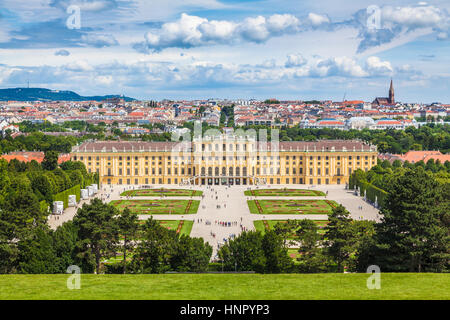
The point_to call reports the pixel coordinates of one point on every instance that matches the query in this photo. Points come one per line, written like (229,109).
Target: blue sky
(155,49)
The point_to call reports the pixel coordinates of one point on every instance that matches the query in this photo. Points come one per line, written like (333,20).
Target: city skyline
(323,50)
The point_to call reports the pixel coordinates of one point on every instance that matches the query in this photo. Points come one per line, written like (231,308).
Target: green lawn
(291,206)
(162,191)
(169,224)
(158,206)
(187,227)
(284,193)
(227,286)
(259,226)
(263,225)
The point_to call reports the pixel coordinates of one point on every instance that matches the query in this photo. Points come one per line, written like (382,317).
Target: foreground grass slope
(227,286)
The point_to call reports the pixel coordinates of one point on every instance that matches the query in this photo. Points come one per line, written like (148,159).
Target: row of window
(271,181)
(231,171)
(168,158)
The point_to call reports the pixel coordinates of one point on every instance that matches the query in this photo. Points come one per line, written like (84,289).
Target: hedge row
(64,196)
(372,191)
(43,205)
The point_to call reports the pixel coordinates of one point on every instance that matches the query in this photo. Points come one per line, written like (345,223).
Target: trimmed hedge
(43,205)
(371,190)
(64,196)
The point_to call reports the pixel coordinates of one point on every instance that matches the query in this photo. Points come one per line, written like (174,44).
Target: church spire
(391,93)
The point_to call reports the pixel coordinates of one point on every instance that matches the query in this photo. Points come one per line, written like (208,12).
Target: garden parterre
(162,192)
(291,206)
(285,192)
(142,207)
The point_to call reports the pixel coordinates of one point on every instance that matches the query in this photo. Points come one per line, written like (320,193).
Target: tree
(128,225)
(20,211)
(340,237)
(65,239)
(312,259)
(431,165)
(285,230)
(244,253)
(191,255)
(413,235)
(155,250)
(50,161)
(397,163)
(36,252)
(277,259)
(98,232)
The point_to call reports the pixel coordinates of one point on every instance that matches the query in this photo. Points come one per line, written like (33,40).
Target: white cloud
(295,60)
(78,66)
(99,40)
(340,66)
(414,17)
(317,19)
(104,80)
(374,65)
(193,31)
(402,24)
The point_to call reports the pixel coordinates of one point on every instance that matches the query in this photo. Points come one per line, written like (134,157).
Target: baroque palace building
(236,161)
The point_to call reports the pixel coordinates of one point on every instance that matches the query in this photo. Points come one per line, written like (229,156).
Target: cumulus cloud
(104,80)
(193,31)
(78,66)
(414,17)
(99,40)
(339,66)
(396,22)
(317,20)
(62,52)
(204,74)
(295,60)
(376,66)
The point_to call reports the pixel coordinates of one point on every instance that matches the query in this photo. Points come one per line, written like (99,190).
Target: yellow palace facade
(225,162)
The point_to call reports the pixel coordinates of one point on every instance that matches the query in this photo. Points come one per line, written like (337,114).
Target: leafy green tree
(4,179)
(397,163)
(277,259)
(155,249)
(340,237)
(36,252)
(244,253)
(386,164)
(50,161)
(413,235)
(285,230)
(20,211)
(65,239)
(128,225)
(312,258)
(98,232)
(42,186)
(191,255)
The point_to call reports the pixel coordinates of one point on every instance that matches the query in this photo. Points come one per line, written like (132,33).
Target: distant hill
(42,94)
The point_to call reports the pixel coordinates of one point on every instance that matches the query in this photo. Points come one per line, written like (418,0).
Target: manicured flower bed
(158,206)
(284,193)
(162,191)
(291,206)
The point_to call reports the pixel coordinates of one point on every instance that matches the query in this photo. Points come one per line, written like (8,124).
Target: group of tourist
(226,223)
